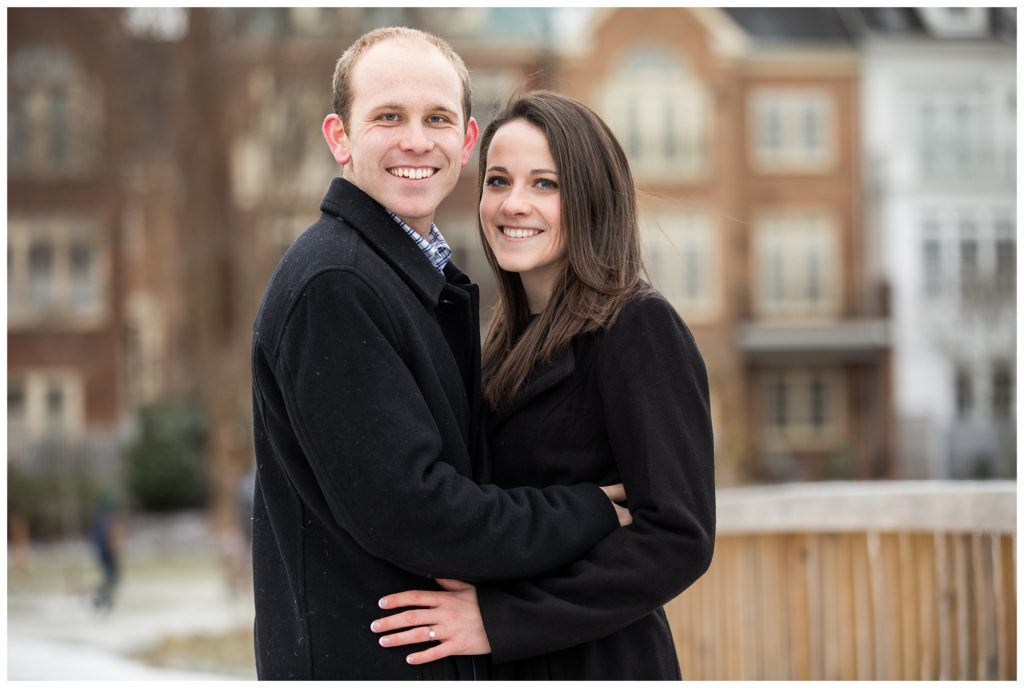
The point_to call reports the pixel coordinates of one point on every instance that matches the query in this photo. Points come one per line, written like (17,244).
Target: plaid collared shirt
(434,247)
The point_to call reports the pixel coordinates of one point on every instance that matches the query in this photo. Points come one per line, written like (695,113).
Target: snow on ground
(31,658)
(172,585)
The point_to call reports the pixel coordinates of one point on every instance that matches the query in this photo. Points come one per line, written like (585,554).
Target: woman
(590,375)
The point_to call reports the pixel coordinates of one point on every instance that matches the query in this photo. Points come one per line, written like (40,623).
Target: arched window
(55,114)
(661,113)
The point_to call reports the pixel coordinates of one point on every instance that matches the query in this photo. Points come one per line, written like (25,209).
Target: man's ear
(472,134)
(337,139)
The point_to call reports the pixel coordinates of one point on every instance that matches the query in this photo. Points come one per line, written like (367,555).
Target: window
(681,256)
(803,406)
(58,127)
(1006,256)
(40,275)
(16,406)
(1006,266)
(55,114)
(796,264)
(661,112)
(1002,390)
(792,130)
(932,267)
(963,392)
(56,267)
(18,131)
(968,268)
(951,134)
(44,404)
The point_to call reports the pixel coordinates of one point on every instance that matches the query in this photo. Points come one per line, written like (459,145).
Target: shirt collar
(434,247)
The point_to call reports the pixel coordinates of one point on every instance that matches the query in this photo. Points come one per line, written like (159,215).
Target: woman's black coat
(627,404)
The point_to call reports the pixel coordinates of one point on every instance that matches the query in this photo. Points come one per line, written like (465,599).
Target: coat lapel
(347,201)
(545,376)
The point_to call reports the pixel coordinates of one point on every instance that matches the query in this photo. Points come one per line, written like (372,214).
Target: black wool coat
(626,404)
(365,379)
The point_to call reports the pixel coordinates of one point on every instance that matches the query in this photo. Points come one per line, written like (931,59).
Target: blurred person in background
(105,538)
(589,375)
(365,374)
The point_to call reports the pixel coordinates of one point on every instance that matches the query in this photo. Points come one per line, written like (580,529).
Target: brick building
(746,151)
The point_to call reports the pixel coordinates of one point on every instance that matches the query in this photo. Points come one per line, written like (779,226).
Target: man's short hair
(341,83)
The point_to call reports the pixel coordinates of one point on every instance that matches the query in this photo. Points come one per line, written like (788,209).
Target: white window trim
(792,158)
(35,426)
(668,232)
(647,91)
(798,433)
(61,232)
(830,304)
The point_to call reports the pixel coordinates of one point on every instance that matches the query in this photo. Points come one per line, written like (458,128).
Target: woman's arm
(662,439)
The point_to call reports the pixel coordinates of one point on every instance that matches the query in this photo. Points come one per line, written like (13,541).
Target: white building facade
(939,132)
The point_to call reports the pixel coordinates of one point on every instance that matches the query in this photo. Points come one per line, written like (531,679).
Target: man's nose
(416,139)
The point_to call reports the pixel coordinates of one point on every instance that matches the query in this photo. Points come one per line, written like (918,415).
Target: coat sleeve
(654,397)
(362,421)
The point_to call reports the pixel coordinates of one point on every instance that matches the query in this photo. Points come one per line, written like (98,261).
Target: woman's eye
(547,184)
(496,181)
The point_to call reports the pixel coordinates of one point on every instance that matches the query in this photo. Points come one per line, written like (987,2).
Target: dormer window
(955,22)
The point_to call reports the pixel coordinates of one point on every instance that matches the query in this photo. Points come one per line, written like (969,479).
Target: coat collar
(368,217)
(544,377)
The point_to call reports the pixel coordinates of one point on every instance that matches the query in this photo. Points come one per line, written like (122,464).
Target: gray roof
(786,25)
(847,26)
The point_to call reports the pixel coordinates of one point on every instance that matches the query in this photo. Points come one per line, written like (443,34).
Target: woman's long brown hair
(603,266)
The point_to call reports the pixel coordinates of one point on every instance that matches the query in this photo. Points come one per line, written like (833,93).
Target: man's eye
(389,117)
(438,119)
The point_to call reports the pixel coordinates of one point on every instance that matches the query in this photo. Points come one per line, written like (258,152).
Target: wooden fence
(851,581)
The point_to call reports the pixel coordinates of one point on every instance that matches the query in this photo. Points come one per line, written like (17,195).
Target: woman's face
(520,207)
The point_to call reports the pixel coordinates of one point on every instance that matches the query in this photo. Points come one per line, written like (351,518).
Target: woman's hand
(617,493)
(452,619)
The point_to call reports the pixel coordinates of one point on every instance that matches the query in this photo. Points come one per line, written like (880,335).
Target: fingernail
(383,603)
(385,641)
(374,626)
(410,660)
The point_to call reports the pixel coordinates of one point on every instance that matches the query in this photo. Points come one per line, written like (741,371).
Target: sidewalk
(172,585)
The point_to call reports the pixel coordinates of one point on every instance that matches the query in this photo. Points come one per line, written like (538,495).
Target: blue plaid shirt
(434,247)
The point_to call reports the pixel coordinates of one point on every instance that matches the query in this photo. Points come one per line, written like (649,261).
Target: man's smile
(412,172)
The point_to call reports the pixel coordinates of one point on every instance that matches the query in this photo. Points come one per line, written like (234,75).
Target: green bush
(165,467)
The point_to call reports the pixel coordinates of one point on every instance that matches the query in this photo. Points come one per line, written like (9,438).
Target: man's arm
(363,424)
(654,394)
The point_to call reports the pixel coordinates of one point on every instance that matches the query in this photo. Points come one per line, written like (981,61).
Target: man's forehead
(400,49)
(399,72)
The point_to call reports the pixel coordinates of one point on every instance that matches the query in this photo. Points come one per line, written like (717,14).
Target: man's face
(405,142)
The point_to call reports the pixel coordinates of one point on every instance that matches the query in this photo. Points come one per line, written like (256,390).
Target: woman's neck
(538,286)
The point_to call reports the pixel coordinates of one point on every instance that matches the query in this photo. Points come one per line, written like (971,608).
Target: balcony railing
(854,581)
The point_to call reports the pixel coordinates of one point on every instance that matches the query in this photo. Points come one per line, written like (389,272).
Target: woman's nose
(515,204)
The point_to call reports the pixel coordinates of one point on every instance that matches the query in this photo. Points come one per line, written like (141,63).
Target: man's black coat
(365,383)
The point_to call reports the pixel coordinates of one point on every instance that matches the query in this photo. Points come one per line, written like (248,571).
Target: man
(365,366)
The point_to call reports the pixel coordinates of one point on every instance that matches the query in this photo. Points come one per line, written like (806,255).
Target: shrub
(164,466)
